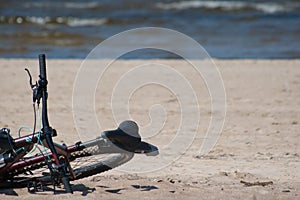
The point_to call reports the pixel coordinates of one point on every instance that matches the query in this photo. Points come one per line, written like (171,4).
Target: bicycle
(58,164)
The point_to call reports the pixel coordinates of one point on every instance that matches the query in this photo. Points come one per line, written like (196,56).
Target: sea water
(226,29)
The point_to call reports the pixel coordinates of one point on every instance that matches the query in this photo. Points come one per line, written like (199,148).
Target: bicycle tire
(105,165)
(116,157)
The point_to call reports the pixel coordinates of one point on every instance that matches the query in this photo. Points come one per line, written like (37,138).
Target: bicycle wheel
(85,167)
(98,156)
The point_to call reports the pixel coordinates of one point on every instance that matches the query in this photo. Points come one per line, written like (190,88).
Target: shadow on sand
(50,190)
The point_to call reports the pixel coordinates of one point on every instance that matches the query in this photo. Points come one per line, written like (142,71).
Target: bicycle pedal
(34,187)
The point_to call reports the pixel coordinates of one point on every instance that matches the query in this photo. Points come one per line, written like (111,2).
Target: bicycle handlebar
(42,62)
(43,89)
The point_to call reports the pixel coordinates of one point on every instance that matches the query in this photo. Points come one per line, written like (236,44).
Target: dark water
(226,29)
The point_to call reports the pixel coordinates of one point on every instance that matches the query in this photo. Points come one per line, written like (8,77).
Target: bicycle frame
(62,150)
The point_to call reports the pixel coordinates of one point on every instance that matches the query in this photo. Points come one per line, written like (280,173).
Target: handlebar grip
(42,62)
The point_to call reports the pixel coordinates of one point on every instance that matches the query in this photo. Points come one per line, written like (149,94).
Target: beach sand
(260,141)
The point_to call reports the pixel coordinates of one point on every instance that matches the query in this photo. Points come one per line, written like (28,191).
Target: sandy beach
(256,157)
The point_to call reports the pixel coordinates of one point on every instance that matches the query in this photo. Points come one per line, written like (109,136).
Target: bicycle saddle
(126,136)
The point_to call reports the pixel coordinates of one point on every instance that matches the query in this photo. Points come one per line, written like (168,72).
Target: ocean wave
(86,22)
(266,7)
(69,21)
(71,5)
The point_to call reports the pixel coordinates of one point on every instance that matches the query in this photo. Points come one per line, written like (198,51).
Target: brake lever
(30,78)
(36,92)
